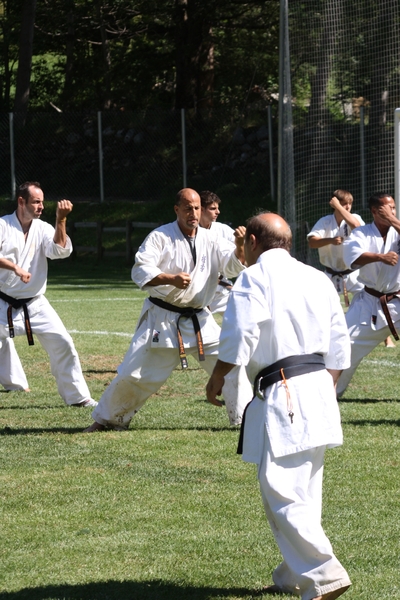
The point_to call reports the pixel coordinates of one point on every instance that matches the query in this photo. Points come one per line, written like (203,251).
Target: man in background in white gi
(375,311)
(210,211)
(328,235)
(26,243)
(285,322)
(178,265)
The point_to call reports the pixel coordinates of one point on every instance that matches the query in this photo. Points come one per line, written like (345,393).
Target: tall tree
(25,56)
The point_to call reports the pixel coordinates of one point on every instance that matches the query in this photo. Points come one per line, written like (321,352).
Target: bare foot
(95,427)
(389,343)
(333,595)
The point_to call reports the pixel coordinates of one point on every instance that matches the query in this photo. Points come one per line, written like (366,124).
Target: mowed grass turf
(168,510)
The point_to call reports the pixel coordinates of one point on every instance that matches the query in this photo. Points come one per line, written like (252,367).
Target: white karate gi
(332,256)
(280,307)
(153,352)
(365,318)
(31,255)
(220,300)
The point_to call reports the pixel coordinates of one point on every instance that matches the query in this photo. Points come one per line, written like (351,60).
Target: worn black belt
(384,299)
(341,274)
(188,313)
(283,369)
(18,303)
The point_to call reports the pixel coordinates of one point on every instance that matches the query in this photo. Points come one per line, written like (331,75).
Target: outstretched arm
(390,258)
(318,242)
(179,280)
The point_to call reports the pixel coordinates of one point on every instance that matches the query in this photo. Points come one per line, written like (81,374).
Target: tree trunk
(25,57)
(194,55)
(105,47)
(69,53)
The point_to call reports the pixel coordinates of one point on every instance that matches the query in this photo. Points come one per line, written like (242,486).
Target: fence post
(271,154)
(397,160)
(99,231)
(362,156)
(100,136)
(128,241)
(183,132)
(12,156)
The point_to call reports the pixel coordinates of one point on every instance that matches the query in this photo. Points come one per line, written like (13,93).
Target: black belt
(18,303)
(288,367)
(384,299)
(188,313)
(341,274)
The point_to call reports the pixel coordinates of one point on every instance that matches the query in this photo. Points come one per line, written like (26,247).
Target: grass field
(168,510)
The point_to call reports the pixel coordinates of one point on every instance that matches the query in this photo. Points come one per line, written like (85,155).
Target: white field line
(381,363)
(118,333)
(97,300)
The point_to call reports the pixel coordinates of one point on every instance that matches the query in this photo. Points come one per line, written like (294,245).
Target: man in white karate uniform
(374,312)
(328,235)
(178,265)
(210,204)
(26,243)
(285,322)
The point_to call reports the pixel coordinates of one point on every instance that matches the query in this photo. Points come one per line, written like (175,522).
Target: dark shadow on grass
(366,400)
(378,422)
(113,371)
(32,406)
(9,431)
(126,590)
(72,430)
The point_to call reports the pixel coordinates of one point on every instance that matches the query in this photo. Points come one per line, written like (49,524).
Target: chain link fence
(146,155)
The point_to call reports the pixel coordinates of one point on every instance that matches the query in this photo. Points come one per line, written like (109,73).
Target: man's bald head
(269,231)
(187,194)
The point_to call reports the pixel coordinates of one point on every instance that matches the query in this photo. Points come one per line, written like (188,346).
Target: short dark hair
(266,235)
(343,195)
(23,189)
(208,198)
(375,199)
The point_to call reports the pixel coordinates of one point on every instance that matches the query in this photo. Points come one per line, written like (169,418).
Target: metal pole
(397,160)
(183,131)
(271,154)
(362,156)
(12,157)
(100,136)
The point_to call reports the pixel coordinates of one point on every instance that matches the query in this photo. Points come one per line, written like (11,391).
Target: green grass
(168,510)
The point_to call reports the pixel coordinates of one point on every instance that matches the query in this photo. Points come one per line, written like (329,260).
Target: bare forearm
(60,235)
(316,242)
(390,258)
(25,276)
(335,375)
(179,280)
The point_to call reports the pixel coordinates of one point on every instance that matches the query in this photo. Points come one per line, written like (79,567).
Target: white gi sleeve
(354,246)
(338,356)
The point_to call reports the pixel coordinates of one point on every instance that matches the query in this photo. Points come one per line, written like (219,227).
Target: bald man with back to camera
(285,322)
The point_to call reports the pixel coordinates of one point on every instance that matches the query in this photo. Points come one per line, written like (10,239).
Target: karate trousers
(291,489)
(145,369)
(363,340)
(48,328)
(12,374)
